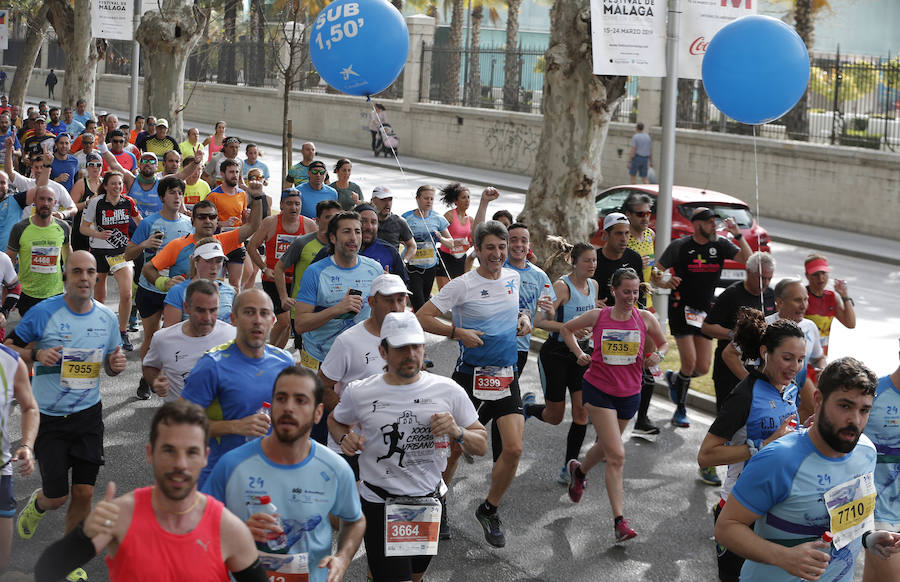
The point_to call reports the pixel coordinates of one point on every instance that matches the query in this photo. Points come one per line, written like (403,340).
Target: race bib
(282,243)
(620,347)
(45,259)
(308,361)
(411,526)
(285,567)
(694,317)
(492,382)
(459,248)
(424,256)
(80,368)
(117,239)
(112,261)
(851,509)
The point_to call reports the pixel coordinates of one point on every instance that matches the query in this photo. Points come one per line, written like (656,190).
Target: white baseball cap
(382,192)
(613,219)
(388,284)
(402,329)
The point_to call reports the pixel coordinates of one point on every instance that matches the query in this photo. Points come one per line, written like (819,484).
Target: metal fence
(487,66)
(851,101)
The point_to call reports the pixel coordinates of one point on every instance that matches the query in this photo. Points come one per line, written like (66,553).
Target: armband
(65,555)
(849,300)
(255,572)
(753,448)
(161,283)
(341,441)
(257,197)
(34,352)
(864,536)
(452,330)
(459,440)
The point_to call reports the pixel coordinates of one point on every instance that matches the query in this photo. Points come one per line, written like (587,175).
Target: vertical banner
(4,30)
(700,21)
(629,37)
(112,19)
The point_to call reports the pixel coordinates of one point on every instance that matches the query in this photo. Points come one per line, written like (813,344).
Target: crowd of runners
(298,419)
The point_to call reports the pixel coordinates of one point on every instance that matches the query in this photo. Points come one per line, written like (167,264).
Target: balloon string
(384,138)
(762,294)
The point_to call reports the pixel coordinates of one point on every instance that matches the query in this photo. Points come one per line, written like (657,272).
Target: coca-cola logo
(698,47)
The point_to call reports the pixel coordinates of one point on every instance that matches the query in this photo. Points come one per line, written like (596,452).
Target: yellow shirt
(646,248)
(194,193)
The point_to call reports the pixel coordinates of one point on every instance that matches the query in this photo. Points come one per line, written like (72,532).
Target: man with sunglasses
(126,161)
(315,190)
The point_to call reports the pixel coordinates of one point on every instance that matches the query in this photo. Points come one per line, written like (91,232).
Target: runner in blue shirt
(69,339)
(486,322)
(298,541)
(884,431)
(315,190)
(809,482)
(428,228)
(334,291)
(232,381)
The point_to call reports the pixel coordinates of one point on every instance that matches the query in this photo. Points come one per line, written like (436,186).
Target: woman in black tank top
(82,192)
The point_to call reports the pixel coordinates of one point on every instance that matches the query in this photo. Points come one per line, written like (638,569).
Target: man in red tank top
(277,232)
(168,531)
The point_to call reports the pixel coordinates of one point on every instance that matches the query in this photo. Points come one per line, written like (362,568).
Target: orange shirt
(229,206)
(176,255)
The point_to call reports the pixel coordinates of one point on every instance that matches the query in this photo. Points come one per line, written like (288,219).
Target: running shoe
(29,518)
(709,476)
(528,400)
(644,428)
(126,343)
(673,393)
(563,477)
(493,529)
(680,418)
(444,533)
(576,484)
(143,390)
(623,531)
(76,575)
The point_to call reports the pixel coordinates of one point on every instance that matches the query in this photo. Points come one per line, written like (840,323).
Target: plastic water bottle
(793,424)
(827,537)
(274,541)
(441,448)
(546,292)
(266,409)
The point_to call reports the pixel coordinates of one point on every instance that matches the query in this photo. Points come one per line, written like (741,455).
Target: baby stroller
(386,140)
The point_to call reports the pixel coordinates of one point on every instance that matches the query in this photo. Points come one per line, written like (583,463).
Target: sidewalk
(824,239)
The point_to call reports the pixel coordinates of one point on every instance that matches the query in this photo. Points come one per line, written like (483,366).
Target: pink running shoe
(576,483)
(624,531)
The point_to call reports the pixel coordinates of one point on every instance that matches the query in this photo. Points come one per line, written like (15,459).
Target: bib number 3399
(492,382)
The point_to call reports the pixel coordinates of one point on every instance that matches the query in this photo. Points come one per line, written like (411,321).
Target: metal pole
(667,159)
(467,52)
(838,75)
(135,63)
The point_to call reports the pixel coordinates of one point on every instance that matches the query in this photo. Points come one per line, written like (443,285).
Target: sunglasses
(206,216)
(317,172)
(148,162)
(643,214)
(94,165)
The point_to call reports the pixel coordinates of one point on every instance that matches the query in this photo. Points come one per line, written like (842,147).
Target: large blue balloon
(359,46)
(755,69)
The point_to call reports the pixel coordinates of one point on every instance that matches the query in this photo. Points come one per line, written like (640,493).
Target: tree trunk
(227,69)
(167,38)
(796,121)
(684,113)
(37,29)
(450,94)
(256,76)
(474,84)
(73,30)
(511,62)
(578,106)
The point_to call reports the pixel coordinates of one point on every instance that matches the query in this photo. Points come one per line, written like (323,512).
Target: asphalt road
(549,538)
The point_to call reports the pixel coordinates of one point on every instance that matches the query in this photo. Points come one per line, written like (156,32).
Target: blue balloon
(755,69)
(359,46)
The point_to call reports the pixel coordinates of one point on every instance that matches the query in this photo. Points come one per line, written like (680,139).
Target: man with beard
(160,143)
(69,339)
(277,233)
(391,227)
(176,349)
(233,380)
(315,190)
(232,205)
(808,482)
(298,540)
(213,173)
(697,262)
(168,531)
(40,245)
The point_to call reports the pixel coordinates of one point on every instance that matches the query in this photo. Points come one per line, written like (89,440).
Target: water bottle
(266,409)
(793,424)
(274,541)
(546,293)
(441,448)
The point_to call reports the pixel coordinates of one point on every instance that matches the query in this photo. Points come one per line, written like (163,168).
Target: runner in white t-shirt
(177,348)
(401,413)
(354,354)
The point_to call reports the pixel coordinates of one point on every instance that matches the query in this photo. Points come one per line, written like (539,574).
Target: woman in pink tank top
(454,259)
(215,140)
(611,389)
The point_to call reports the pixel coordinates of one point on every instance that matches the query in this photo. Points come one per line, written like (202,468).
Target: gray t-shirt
(394,230)
(641,144)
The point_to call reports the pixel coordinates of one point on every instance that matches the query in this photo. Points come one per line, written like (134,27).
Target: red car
(684,200)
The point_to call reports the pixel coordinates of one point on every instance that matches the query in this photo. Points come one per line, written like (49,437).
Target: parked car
(684,200)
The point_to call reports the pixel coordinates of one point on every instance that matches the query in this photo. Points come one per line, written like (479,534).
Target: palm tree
(511,62)
(474,82)
(450,92)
